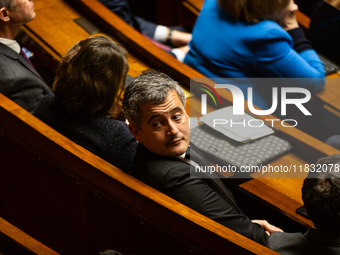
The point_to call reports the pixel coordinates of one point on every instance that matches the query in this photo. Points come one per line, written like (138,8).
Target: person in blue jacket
(253,39)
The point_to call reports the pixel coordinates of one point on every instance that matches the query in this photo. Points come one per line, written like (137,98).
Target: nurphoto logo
(277,97)
(208,89)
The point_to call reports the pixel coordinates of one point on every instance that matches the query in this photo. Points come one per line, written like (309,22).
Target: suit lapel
(196,159)
(15,56)
(27,65)
(211,179)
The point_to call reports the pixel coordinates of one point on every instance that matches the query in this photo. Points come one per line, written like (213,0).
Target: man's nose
(172,128)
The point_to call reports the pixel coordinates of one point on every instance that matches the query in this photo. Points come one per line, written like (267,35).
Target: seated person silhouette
(154,105)
(19,81)
(85,106)
(176,37)
(321,198)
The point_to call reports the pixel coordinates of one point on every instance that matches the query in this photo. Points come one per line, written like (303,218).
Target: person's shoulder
(8,56)
(151,161)
(44,109)
(117,131)
(121,125)
(152,169)
(45,102)
(6,66)
(270,40)
(270,30)
(19,77)
(5,50)
(47,99)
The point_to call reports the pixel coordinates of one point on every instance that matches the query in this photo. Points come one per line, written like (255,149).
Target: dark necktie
(25,57)
(22,53)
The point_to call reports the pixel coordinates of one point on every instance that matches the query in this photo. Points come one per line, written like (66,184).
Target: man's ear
(135,132)
(4,14)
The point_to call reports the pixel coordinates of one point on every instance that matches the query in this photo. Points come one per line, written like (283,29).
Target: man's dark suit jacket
(312,242)
(19,81)
(208,196)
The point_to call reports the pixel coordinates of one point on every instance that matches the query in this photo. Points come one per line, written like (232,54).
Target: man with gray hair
(19,81)
(321,198)
(154,105)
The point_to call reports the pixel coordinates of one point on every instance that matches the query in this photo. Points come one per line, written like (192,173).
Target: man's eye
(177,117)
(157,124)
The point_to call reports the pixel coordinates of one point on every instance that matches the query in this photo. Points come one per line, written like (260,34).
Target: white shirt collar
(182,156)
(13,44)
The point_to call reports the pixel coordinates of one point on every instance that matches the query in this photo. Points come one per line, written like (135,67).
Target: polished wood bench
(15,241)
(76,203)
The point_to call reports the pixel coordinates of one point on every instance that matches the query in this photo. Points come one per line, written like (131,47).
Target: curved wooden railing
(15,241)
(76,203)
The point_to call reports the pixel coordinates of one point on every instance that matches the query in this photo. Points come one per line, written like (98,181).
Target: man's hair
(254,10)
(149,87)
(90,77)
(8,4)
(321,194)
(110,252)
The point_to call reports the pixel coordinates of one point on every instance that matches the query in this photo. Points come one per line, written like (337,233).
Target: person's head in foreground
(321,194)
(154,105)
(90,77)
(110,252)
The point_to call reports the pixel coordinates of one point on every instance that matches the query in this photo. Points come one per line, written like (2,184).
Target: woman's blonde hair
(91,76)
(254,10)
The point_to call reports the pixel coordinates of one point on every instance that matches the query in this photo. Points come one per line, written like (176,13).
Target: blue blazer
(223,47)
